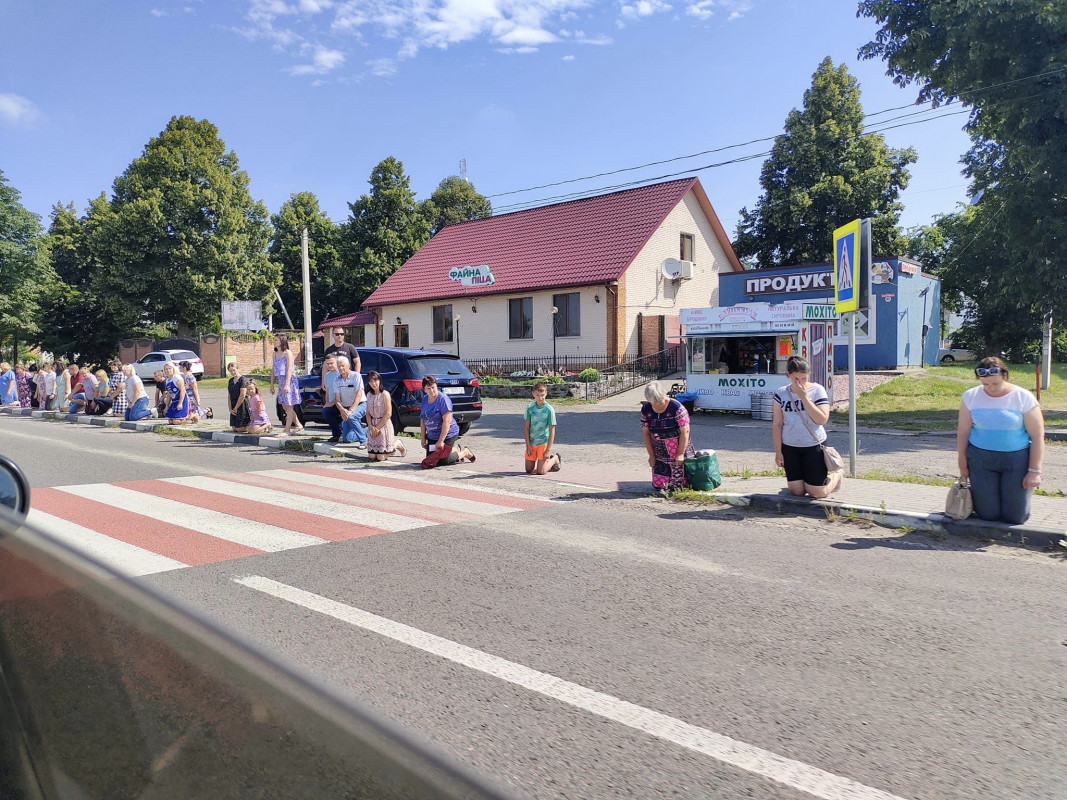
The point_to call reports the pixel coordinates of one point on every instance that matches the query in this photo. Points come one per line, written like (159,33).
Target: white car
(948,355)
(146,366)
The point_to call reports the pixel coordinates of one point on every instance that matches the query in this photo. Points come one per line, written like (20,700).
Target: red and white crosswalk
(147,526)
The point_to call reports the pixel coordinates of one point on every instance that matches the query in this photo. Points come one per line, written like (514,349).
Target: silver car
(949,355)
(147,364)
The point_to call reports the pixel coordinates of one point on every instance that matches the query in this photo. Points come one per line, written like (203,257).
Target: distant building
(617,268)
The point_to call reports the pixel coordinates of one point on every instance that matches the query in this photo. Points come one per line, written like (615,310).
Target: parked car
(150,362)
(950,354)
(402,371)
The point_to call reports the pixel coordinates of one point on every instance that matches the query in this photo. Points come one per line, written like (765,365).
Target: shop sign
(812,311)
(805,282)
(731,391)
(907,269)
(472,276)
(740,318)
(785,346)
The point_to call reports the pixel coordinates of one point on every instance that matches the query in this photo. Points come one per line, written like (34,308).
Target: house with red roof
(606,274)
(360,327)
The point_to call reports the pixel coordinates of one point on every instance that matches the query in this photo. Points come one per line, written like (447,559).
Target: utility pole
(305,269)
(1046,351)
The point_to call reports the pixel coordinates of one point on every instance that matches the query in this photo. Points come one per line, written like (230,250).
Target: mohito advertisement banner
(732,392)
(776,284)
(743,317)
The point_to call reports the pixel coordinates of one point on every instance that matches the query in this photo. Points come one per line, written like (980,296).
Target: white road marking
(80,447)
(385,492)
(357,515)
(261,536)
(795,774)
(122,556)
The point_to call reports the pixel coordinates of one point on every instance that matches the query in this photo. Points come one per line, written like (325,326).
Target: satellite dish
(671,269)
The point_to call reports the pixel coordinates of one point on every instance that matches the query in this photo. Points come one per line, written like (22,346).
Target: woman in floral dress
(381,441)
(24,382)
(665,429)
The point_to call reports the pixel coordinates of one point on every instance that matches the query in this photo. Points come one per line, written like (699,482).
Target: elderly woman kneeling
(665,428)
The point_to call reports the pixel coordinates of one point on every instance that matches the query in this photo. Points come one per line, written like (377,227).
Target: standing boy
(539,431)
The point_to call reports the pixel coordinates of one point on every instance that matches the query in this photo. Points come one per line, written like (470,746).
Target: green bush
(588,376)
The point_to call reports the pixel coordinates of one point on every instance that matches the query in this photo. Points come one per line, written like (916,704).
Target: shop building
(604,277)
(740,347)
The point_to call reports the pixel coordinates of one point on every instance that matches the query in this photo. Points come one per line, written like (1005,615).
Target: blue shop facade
(890,332)
(741,347)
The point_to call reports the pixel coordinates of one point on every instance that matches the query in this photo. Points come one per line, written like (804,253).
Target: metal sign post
(852,263)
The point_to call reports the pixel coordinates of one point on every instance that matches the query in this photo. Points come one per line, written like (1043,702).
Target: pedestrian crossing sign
(847,267)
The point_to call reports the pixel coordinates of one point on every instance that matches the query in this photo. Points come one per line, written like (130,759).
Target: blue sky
(311,94)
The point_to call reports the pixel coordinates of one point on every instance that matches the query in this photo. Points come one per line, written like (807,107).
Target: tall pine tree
(823,172)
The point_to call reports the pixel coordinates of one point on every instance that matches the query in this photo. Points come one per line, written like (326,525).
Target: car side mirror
(14,488)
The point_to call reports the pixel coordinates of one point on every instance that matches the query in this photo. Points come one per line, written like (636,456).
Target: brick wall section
(650,333)
(251,352)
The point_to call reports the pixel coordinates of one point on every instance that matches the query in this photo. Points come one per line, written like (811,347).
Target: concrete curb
(893,518)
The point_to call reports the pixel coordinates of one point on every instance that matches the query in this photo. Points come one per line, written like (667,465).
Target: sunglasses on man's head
(982,372)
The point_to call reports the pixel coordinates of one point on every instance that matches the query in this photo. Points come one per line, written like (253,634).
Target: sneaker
(335,439)
(361,446)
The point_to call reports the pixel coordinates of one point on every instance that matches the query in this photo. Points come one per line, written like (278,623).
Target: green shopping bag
(702,471)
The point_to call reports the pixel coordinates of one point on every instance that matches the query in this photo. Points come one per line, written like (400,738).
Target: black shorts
(805,464)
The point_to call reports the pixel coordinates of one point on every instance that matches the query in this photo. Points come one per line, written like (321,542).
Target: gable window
(442,323)
(520,318)
(685,247)
(568,314)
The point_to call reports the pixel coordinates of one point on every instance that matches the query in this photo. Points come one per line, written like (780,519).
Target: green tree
(25,275)
(384,229)
(329,295)
(1007,59)
(823,172)
(456,200)
(78,324)
(182,234)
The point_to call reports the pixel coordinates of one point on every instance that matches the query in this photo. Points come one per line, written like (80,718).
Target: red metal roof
(348,320)
(577,243)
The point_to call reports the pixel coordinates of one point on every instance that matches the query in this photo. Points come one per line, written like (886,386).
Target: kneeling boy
(539,431)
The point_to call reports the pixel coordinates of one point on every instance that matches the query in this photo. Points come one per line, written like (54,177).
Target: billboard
(242,315)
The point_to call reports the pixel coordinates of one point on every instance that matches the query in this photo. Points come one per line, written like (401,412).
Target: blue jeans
(997,484)
(138,410)
(353,429)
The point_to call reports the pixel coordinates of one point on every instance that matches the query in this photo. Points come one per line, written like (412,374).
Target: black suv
(402,371)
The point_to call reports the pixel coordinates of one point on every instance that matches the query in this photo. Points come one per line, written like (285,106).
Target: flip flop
(558,464)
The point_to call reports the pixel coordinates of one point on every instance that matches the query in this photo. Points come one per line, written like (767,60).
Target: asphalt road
(596,645)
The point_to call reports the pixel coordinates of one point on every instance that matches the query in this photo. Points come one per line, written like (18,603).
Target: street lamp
(555,317)
(456,319)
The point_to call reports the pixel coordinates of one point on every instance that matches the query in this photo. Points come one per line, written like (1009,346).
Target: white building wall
(648,292)
(485,334)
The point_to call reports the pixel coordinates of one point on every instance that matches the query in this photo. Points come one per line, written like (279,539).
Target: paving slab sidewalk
(899,505)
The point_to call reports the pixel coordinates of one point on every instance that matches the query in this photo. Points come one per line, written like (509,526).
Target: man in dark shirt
(341,348)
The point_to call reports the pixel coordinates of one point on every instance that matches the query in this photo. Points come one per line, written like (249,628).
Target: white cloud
(16,110)
(323,60)
(157,12)
(642,8)
(315,6)
(568,58)
(705,9)
(382,67)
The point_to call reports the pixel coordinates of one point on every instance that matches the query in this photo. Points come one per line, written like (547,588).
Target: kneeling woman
(381,439)
(439,428)
(800,411)
(177,411)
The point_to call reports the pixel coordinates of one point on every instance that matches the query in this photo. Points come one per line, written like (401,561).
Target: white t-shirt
(795,431)
(132,382)
(997,422)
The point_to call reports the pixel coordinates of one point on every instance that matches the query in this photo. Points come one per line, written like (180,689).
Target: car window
(368,360)
(148,359)
(438,365)
(387,364)
(185,355)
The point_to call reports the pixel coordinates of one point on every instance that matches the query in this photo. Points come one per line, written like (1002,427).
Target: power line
(772,138)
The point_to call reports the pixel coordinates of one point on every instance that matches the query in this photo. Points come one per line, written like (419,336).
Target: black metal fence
(633,373)
(539,365)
